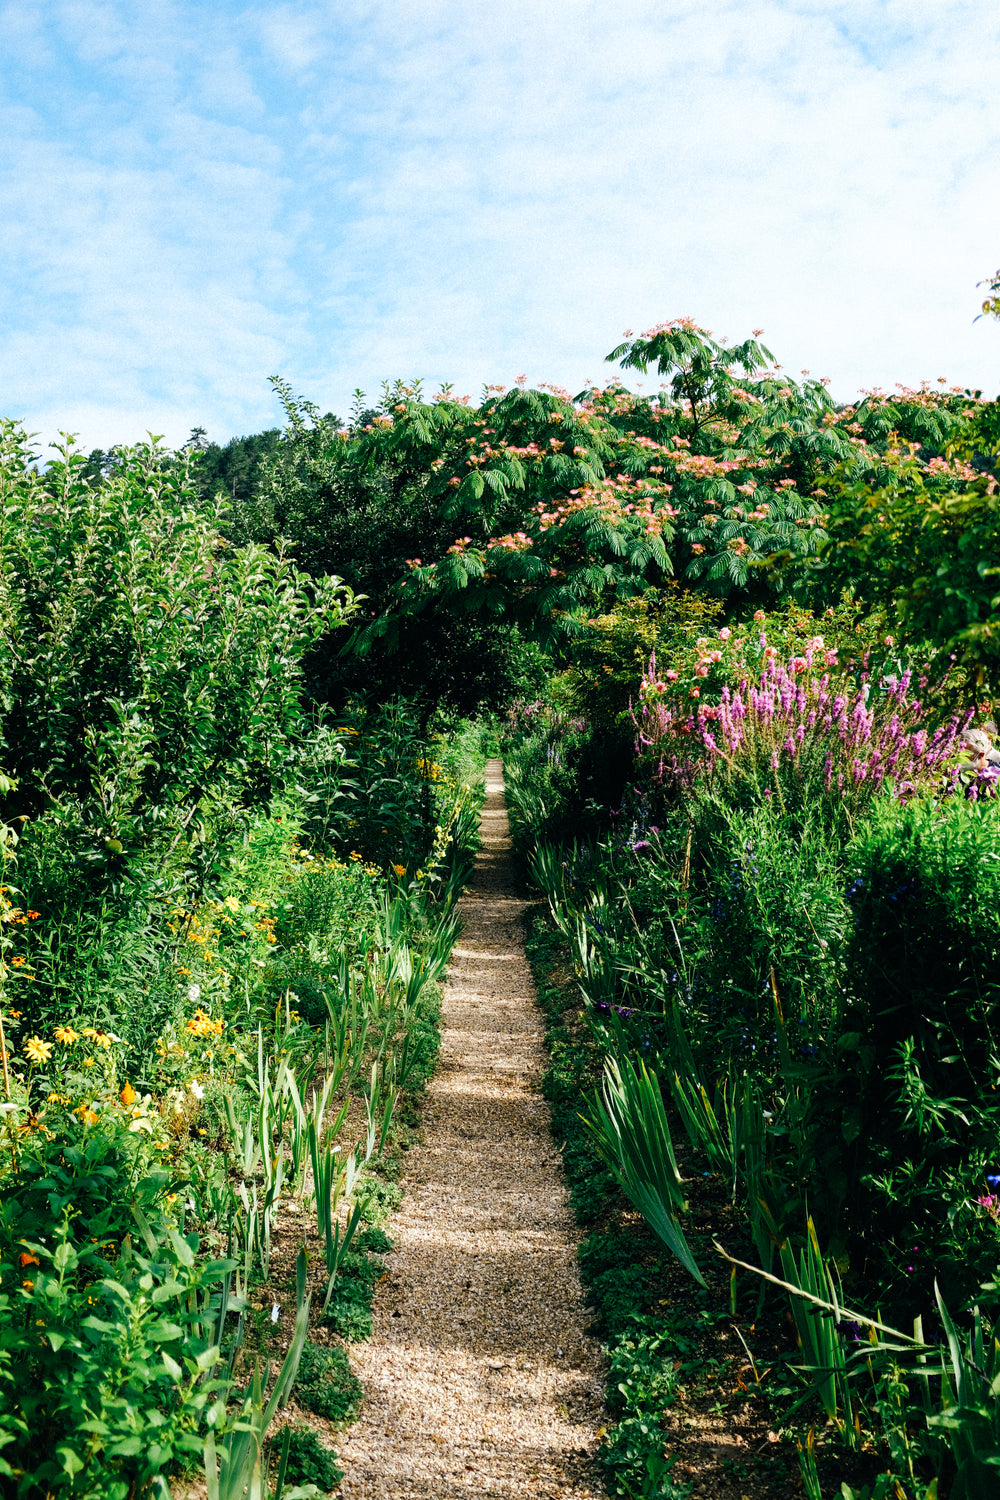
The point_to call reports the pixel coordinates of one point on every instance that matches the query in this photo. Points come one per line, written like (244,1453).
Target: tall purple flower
(790,726)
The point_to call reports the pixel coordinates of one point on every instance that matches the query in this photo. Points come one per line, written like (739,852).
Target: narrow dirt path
(480,1378)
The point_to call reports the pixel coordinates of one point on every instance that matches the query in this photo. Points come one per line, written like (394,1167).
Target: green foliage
(326,1385)
(309,1461)
(156,672)
(632,1133)
(635,1464)
(232,470)
(115,1390)
(916,530)
(381,1199)
(350,1309)
(609,659)
(925,953)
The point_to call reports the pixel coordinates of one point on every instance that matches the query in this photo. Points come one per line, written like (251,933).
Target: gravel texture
(481,1378)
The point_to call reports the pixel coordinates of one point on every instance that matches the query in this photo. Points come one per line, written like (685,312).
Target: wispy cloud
(348,191)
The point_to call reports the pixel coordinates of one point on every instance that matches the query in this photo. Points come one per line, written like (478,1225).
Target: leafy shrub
(634,1464)
(156,671)
(926,899)
(380,1199)
(350,1311)
(376,1240)
(309,1461)
(326,1385)
(105,1364)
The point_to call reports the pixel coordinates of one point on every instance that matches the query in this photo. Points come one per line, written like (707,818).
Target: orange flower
(27,1259)
(127,1095)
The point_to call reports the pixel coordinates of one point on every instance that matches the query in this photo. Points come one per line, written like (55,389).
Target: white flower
(275,1310)
(194,993)
(196,1089)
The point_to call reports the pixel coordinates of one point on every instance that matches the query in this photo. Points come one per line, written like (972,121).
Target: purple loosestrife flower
(795,725)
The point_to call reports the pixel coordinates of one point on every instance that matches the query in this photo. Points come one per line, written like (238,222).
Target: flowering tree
(545,509)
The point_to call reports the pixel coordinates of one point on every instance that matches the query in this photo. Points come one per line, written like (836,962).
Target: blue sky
(340,192)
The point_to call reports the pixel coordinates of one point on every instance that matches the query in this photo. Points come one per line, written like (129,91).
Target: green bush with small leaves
(326,1385)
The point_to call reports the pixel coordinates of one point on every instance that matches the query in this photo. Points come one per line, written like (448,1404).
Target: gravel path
(480,1378)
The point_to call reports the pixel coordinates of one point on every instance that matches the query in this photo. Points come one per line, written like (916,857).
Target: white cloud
(349,191)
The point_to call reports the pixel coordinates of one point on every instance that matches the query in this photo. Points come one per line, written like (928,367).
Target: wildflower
(37,1051)
(66,1035)
(102,1039)
(194,993)
(127,1095)
(725,633)
(759,614)
(27,1259)
(196,1089)
(201,1024)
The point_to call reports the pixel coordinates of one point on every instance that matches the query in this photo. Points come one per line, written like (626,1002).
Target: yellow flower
(201,1024)
(37,1051)
(66,1035)
(127,1095)
(102,1038)
(88,1062)
(57,1099)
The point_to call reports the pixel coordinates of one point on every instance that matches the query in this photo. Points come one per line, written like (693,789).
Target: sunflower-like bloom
(37,1051)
